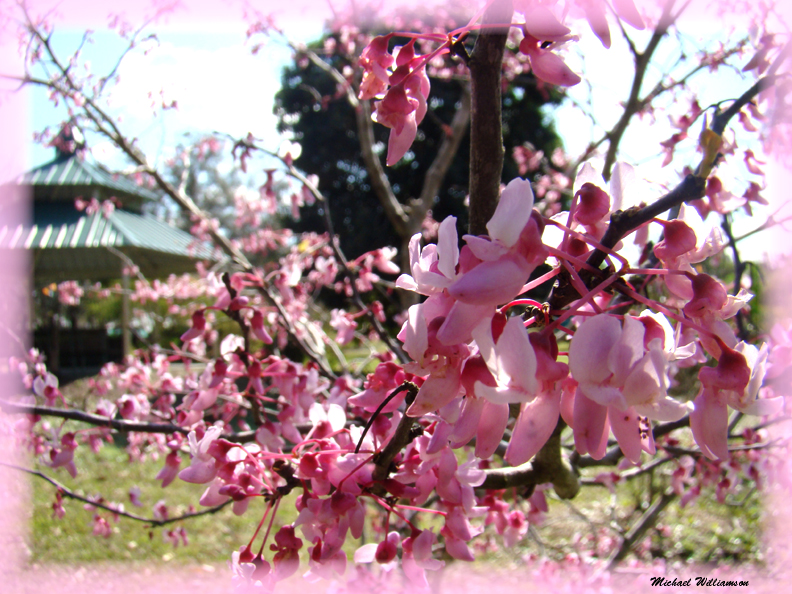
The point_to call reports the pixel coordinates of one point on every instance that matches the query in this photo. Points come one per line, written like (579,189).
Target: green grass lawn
(704,532)
(212,538)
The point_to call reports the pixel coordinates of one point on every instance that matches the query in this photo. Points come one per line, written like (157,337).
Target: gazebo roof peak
(69,142)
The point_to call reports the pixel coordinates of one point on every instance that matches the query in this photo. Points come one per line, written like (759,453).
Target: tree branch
(638,530)
(153,521)
(401,437)
(486,126)
(633,104)
(547,466)
(90,418)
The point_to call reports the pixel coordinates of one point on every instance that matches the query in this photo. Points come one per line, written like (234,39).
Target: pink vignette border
(14,489)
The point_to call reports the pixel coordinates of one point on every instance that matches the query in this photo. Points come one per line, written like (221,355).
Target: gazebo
(69,244)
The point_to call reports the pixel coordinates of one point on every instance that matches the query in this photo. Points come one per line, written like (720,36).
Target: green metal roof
(71,245)
(85,246)
(69,176)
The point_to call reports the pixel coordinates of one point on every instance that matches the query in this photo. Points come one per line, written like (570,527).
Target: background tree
(310,108)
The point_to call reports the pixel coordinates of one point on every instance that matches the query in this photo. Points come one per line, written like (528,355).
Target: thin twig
(90,418)
(65,492)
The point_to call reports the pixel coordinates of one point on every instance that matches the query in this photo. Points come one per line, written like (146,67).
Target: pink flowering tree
(577,335)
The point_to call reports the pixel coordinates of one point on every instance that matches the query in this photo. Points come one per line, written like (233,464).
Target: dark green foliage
(310,107)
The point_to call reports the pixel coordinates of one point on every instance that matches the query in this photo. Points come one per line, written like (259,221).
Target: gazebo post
(126,333)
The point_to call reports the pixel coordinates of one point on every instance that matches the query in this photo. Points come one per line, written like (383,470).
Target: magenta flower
(170,470)
(257,325)
(46,386)
(198,326)
(202,468)
(619,381)
(734,383)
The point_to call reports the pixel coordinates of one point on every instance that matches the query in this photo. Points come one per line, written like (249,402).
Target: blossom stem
(388,398)
(269,526)
(390,509)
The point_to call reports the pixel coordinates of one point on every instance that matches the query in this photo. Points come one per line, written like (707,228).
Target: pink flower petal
(624,424)
(492,424)
(491,283)
(551,68)
(512,213)
(590,427)
(542,24)
(534,427)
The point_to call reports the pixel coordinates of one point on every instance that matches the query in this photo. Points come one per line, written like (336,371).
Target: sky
(201,61)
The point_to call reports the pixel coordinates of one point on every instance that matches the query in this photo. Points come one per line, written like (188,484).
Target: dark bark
(486,136)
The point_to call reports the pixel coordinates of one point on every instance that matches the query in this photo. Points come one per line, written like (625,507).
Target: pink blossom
(433,268)
(511,361)
(345,326)
(198,327)
(735,383)
(375,60)
(257,325)
(417,557)
(618,380)
(170,470)
(286,560)
(46,386)
(202,467)
(546,65)
(63,457)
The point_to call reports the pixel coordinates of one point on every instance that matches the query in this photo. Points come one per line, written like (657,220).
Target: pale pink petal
(440,437)
(199,472)
(405,281)
(590,427)
(623,191)
(484,249)
(503,394)
(206,398)
(542,24)
(534,427)
(447,247)
(588,351)
(550,68)
(467,424)
(627,351)
(664,409)
(414,334)
(709,423)
(458,549)
(624,424)
(603,395)
(365,554)
(627,12)
(461,320)
(491,283)
(436,392)
(516,355)
(336,417)
(587,175)
(492,424)
(645,384)
(595,13)
(512,213)
(414,573)
(763,406)
(211,496)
